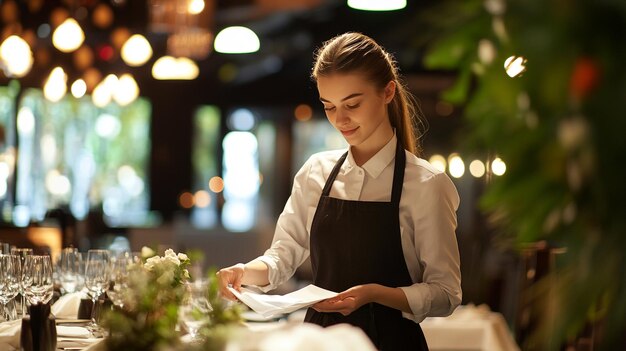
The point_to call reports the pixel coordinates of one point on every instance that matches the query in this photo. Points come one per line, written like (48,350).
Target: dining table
(469,328)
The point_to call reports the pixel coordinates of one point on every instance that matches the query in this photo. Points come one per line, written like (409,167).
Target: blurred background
(181,123)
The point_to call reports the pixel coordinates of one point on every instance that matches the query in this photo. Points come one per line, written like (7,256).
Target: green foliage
(559,128)
(150,314)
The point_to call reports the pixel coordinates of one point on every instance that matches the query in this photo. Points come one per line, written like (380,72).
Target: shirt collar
(375,165)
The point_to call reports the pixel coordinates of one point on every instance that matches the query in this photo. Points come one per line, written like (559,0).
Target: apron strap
(333,174)
(398,175)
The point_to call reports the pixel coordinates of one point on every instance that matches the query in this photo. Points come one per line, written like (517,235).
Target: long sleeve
(290,246)
(438,290)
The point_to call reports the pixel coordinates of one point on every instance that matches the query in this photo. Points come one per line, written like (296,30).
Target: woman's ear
(390,91)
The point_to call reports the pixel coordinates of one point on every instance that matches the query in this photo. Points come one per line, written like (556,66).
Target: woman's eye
(351,107)
(329,108)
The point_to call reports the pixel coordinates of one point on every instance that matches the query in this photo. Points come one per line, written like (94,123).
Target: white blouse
(427,223)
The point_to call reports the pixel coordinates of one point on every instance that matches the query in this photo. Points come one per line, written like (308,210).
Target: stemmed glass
(22,253)
(195,308)
(37,279)
(9,283)
(96,279)
(69,269)
(119,279)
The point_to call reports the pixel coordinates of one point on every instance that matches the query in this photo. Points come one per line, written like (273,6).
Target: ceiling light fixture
(188,25)
(237,40)
(170,68)
(68,36)
(377,5)
(136,50)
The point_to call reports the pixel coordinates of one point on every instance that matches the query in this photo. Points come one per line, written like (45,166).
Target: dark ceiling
(275,77)
(289,31)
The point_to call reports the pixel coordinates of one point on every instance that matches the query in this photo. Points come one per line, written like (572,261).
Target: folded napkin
(66,306)
(72,332)
(85,344)
(10,335)
(75,337)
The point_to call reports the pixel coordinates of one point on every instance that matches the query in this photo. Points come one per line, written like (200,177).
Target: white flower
(182,257)
(151,262)
(170,256)
(147,252)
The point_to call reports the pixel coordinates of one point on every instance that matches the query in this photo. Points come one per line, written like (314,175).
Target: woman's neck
(367,149)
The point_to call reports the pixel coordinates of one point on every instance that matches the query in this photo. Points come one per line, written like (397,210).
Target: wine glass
(9,283)
(37,279)
(195,308)
(22,253)
(69,269)
(119,279)
(96,279)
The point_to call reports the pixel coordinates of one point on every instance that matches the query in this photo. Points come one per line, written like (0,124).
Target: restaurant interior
(180,124)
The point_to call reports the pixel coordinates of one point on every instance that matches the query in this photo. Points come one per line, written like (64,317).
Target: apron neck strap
(398,174)
(333,174)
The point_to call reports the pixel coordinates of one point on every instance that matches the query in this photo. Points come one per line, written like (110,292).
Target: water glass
(37,279)
(9,284)
(22,253)
(5,248)
(193,313)
(97,278)
(119,278)
(69,270)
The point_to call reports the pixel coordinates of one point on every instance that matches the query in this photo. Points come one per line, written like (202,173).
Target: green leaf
(458,93)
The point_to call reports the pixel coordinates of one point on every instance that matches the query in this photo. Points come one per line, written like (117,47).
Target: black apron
(358,242)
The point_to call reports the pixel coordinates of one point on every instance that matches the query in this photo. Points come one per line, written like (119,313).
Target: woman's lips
(349,132)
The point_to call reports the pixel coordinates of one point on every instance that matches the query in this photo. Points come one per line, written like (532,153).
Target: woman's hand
(348,301)
(232,276)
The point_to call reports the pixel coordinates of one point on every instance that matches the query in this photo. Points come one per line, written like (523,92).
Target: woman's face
(356,107)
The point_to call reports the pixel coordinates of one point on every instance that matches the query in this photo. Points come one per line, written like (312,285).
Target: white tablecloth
(469,328)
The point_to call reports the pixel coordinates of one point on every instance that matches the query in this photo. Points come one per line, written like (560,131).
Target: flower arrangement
(149,317)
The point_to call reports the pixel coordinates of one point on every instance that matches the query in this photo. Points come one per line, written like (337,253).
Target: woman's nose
(341,117)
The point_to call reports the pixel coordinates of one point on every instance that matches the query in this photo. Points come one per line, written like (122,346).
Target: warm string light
(455,166)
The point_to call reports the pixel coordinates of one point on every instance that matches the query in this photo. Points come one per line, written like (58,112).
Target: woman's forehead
(339,85)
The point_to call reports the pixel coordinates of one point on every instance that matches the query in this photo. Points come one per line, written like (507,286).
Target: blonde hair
(356,52)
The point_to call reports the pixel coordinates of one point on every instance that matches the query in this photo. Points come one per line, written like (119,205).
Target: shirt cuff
(419,301)
(272,272)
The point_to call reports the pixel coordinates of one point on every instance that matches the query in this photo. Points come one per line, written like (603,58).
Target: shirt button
(360,172)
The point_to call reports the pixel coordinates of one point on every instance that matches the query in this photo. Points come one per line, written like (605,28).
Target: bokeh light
(438,161)
(498,167)
(456,166)
(216,184)
(186,200)
(477,168)
(303,112)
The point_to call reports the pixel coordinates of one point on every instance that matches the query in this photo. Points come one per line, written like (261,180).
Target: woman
(378,222)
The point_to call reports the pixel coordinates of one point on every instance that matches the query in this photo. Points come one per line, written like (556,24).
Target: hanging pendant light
(236,40)
(68,36)
(377,5)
